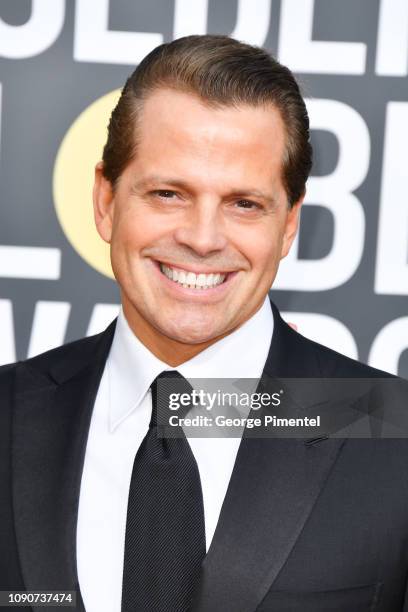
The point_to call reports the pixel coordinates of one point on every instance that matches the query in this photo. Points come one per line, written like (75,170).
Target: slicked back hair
(222,72)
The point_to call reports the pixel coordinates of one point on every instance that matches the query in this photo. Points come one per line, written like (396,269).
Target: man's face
(199,220)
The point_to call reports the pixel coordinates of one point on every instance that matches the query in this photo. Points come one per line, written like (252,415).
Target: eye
(164,193)
(248,205)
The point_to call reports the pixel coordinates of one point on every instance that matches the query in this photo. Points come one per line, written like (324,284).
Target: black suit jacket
(313,525)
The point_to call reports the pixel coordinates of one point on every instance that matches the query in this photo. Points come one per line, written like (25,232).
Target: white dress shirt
(120,421)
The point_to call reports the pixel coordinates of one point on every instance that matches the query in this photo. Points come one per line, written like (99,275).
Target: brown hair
(222,72)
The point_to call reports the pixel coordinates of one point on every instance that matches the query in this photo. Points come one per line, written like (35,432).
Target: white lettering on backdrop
(94,42)
(302,54)
(391,273)
(335,192)
(392,38)
(37,34)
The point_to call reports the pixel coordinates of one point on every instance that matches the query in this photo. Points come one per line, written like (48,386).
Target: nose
(203,229)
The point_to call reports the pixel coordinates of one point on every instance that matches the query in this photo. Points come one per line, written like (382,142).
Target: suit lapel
(51,421)
(272,491)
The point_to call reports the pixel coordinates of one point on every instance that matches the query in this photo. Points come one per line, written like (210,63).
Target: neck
(168,350)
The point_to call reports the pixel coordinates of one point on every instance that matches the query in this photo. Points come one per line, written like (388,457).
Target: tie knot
(167,391)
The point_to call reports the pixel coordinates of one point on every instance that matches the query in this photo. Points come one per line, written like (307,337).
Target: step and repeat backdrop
(62,63)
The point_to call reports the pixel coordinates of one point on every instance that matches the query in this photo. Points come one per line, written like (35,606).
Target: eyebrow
(155,180)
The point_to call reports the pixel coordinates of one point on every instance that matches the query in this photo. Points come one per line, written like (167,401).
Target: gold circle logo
(73,177)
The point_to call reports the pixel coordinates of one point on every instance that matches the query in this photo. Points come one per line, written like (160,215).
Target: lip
(200,295)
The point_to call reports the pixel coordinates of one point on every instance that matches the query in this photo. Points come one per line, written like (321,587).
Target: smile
(191,280)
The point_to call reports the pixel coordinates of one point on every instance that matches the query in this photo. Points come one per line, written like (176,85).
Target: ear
(291,227)
(103,204)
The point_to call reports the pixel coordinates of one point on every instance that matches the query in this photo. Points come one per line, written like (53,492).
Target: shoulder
(43,361)
(7,374)
(305,357)
(61,361)
(335,364)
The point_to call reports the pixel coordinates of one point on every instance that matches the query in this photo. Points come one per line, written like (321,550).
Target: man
(198,194)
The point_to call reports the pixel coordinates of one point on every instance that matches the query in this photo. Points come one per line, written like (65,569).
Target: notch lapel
(50,428)
(273,488)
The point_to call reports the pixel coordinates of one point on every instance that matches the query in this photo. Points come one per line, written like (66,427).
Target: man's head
(222,72)
(204,172)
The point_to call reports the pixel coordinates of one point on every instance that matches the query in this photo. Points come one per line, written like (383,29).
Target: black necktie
(165,535)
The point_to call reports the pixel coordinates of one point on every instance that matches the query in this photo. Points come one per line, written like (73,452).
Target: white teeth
(200,280)
(192,280)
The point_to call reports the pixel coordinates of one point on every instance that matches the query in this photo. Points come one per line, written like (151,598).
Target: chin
(189,333)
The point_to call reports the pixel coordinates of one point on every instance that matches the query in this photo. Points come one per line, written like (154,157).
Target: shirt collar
(131,367)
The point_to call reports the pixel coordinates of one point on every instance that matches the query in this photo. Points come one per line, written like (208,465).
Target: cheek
(261,249)
(131,232)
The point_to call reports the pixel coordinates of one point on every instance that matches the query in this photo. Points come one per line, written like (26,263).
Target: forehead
(180,130)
